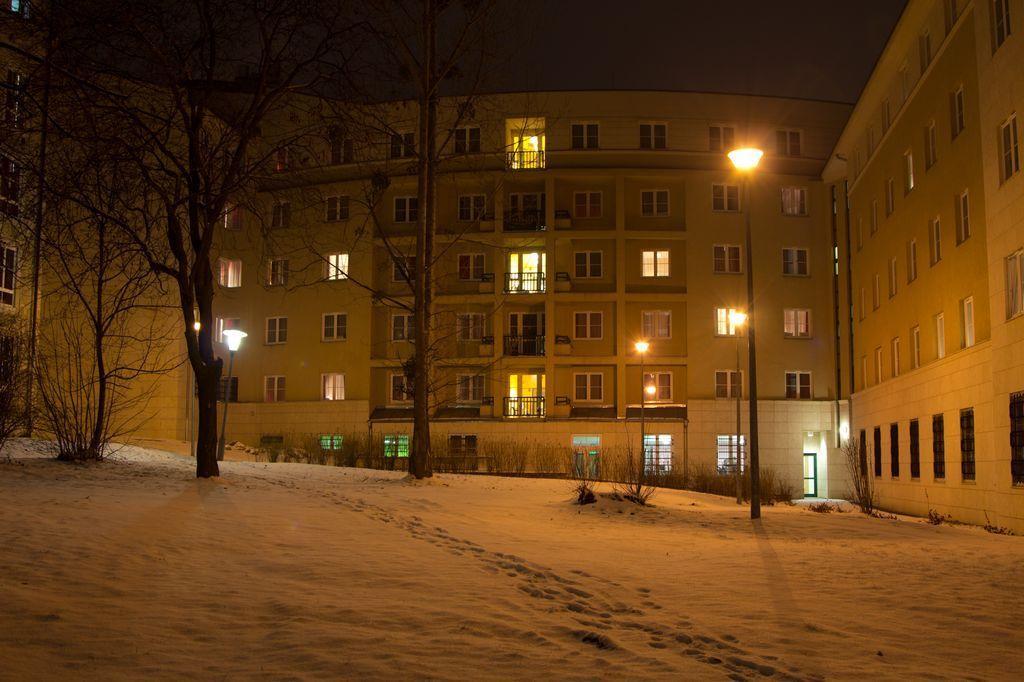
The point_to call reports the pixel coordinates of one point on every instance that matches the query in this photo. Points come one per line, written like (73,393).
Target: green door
(810,474)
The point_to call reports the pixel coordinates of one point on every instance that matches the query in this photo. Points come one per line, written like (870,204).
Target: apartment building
(935,224)
(571,225)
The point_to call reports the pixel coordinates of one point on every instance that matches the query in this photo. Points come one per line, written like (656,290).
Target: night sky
(821,49)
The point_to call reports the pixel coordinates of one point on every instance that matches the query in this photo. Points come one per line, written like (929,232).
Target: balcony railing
(525,282)
(524,345)
(524,160)
(532,406)
(527,220)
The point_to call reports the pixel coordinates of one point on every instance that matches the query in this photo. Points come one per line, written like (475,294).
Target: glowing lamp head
(650,389)
(197,325)
(641,346)
(745,159)
(233,338)
(737,318)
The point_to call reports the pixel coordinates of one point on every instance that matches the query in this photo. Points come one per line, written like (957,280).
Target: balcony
(532,406)
(524,345)
(527,220)
(524,160)
(525,283)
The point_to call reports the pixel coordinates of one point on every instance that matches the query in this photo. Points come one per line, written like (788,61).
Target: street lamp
(745,160)
(737,320)
(642,347)
(233,339)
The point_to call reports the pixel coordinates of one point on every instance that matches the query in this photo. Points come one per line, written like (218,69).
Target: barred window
(1017,437)
(894,450)
(938,447)
(915,449)
(658,453)
(862,451)
(878,452)
(967,443)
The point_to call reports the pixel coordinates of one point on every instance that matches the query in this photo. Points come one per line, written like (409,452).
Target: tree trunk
(207,380)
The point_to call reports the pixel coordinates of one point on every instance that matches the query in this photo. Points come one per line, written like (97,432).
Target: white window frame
(1009,149)
(967,317)
(406,327)
(467,324)
(588,386)
(1001,25)
(229,272)
(721,201)
(589,263)
(724,325)
(726,251)
(467,386)
(799,374)
(655,194)
(589,325)
(796,323)
(275,393)
(911,260)
(335,381)
(472,207)
(585,125)
(592,208)
(334,327)
(277,272)
(935,240)
(656,377)
(963,217)
(660,261)
(788,148)
(400,261)
(277,339)
(652,136)
(908,172)
(1014,265)
(406,209)
(336,208)
(281,215)
(726,140)
(405,388)
(8,274)
(650,322)
(787,260)
(940,335)
(733,384)
(467,140)
(336,267)
(795,201)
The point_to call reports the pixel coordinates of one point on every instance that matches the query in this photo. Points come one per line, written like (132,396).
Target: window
(725,324)
(396,445)
(951,13)
(958,120)
(963,222)
(471,267)
(787,142)
(586,451)
(967,322)
(586,204)
(915,449)
(893,283)
(1014,284)
(228,391)
(401,327)
(467,140)
(728,383)
(934,240)
(662,382)
(233,218)
(589,387)
(1000,22)
(469,388)
(341,149)
(796,323)
(732,450)
(890,197)
(863,371)
(336,208)
(915,347)
(794,201)
(273,389)
(331,441)
(336,266)
(657,324)
(908,172)
(863,303)
(878,365)
(277,272)
(224,323)
(472,207)
(876,295)
(911,260)
(931,148)
(967,443)
(406,209)
(860,233)
(281,217)
(904,84)
(584,136)
(727,259)
(462,445)
(12,102)
(862,453)
(894,450)
(924,49)
(657,453)
(653,136)
(878,452)
(798,385)
(403,268)
(281,160)
(654,203)
(469,326)
(871,140)
(277,330)
(588,264)
(794,262)
(1017,438)
(721,138)
(655,264)
(725,197)
(938,447)
(874,216)
(332,386)
(229,272)
(894,355)
(335,327)
(886,115)
(401,388)
(940,336)
(588,325)
(403,145)
(8,270)
(1008,150)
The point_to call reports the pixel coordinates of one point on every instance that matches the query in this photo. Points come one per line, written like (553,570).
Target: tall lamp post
(736,320)
(642,348)
(745,160)
(233,339)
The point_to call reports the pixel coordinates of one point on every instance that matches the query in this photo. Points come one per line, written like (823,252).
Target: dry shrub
(584,479)
(12,382)
(506,457)
(707,479)
(626,468)
(824,507)
(862,489)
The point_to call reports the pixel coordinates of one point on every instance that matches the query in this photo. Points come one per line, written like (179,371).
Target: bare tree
(862,490)
(12,378)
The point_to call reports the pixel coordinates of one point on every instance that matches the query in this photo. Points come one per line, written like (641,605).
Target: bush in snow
(12,384)
(862,490)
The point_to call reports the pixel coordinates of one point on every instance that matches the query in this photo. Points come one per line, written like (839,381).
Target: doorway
(810,474)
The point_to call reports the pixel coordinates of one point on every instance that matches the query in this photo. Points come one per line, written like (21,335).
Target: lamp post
(233,339)
(642,347)
(736,320)
(745,160)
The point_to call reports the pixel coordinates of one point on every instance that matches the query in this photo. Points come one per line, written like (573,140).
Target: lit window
(725,322)
(331,441)
(727,259)
(273,389)
(655,263)
(654,203)
(8,270)
(336,266)
(657,453)
(730,450)
(798,385)
(794,201)
(396,445)
(796,323)
(335,327)
(657,324)
(662,383)
(332,386)
(277,272)
(229,272)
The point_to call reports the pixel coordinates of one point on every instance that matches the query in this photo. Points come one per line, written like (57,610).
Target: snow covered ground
(133,568)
